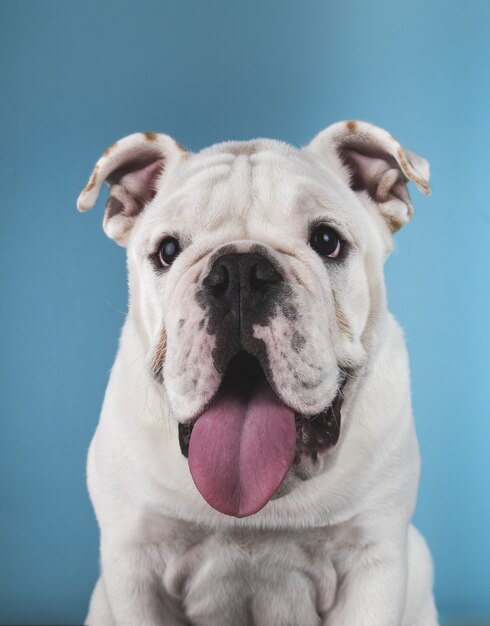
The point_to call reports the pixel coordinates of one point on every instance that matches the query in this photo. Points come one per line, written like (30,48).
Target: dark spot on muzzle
(298,341)
(289,311)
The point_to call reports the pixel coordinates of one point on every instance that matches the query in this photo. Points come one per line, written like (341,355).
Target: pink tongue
(240,450)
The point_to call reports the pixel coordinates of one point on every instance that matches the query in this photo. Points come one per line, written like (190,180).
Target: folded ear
(375,163)
(132,168)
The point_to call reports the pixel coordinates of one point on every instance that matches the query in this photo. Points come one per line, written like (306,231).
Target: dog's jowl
(256,461)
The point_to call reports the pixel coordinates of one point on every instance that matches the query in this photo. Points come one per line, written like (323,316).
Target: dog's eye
(325,241)
(168,251)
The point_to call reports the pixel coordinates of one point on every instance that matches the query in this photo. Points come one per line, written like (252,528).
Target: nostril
(218,279)
(263,273)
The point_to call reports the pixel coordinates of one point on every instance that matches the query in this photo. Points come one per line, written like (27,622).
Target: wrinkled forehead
(240,188)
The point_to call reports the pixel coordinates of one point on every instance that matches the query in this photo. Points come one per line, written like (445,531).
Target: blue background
(78,75)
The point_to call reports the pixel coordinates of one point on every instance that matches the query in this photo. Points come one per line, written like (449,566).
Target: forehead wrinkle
(228,192)
(242,183)
(218,207)
(207,176)
(173,198)
(222,201)
(198,163)
(287,159)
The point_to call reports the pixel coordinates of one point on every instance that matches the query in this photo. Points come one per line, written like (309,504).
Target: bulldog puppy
(256,462)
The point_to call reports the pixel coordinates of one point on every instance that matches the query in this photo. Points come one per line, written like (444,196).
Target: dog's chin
(245,441)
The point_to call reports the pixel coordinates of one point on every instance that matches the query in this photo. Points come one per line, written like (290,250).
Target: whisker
(111,306)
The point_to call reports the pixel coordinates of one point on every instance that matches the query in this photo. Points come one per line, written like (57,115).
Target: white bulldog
(256,461)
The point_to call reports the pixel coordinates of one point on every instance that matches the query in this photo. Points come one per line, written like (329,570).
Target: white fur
(334,550)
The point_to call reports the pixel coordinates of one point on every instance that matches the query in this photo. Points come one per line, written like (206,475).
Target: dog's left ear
(132,167)
(373,162)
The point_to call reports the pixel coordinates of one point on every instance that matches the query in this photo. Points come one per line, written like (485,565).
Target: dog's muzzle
(247,438)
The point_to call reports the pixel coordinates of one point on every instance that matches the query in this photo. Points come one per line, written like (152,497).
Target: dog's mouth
(246,440)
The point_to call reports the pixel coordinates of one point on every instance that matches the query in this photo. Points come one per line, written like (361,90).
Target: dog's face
(256,275)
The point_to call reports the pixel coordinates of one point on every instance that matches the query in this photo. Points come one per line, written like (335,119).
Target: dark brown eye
(168,251)
(325,242)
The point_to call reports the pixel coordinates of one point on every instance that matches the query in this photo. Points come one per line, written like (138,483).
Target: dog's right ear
(132,167)
(376,166)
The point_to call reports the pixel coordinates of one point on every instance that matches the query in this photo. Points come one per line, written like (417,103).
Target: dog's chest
(265,580)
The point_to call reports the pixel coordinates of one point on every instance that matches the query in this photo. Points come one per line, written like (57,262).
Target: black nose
(247,272)
(243,284)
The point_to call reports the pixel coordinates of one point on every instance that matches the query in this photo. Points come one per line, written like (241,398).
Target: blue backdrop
(78,75)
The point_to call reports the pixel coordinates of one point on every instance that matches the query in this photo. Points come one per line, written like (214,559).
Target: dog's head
(256,278)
